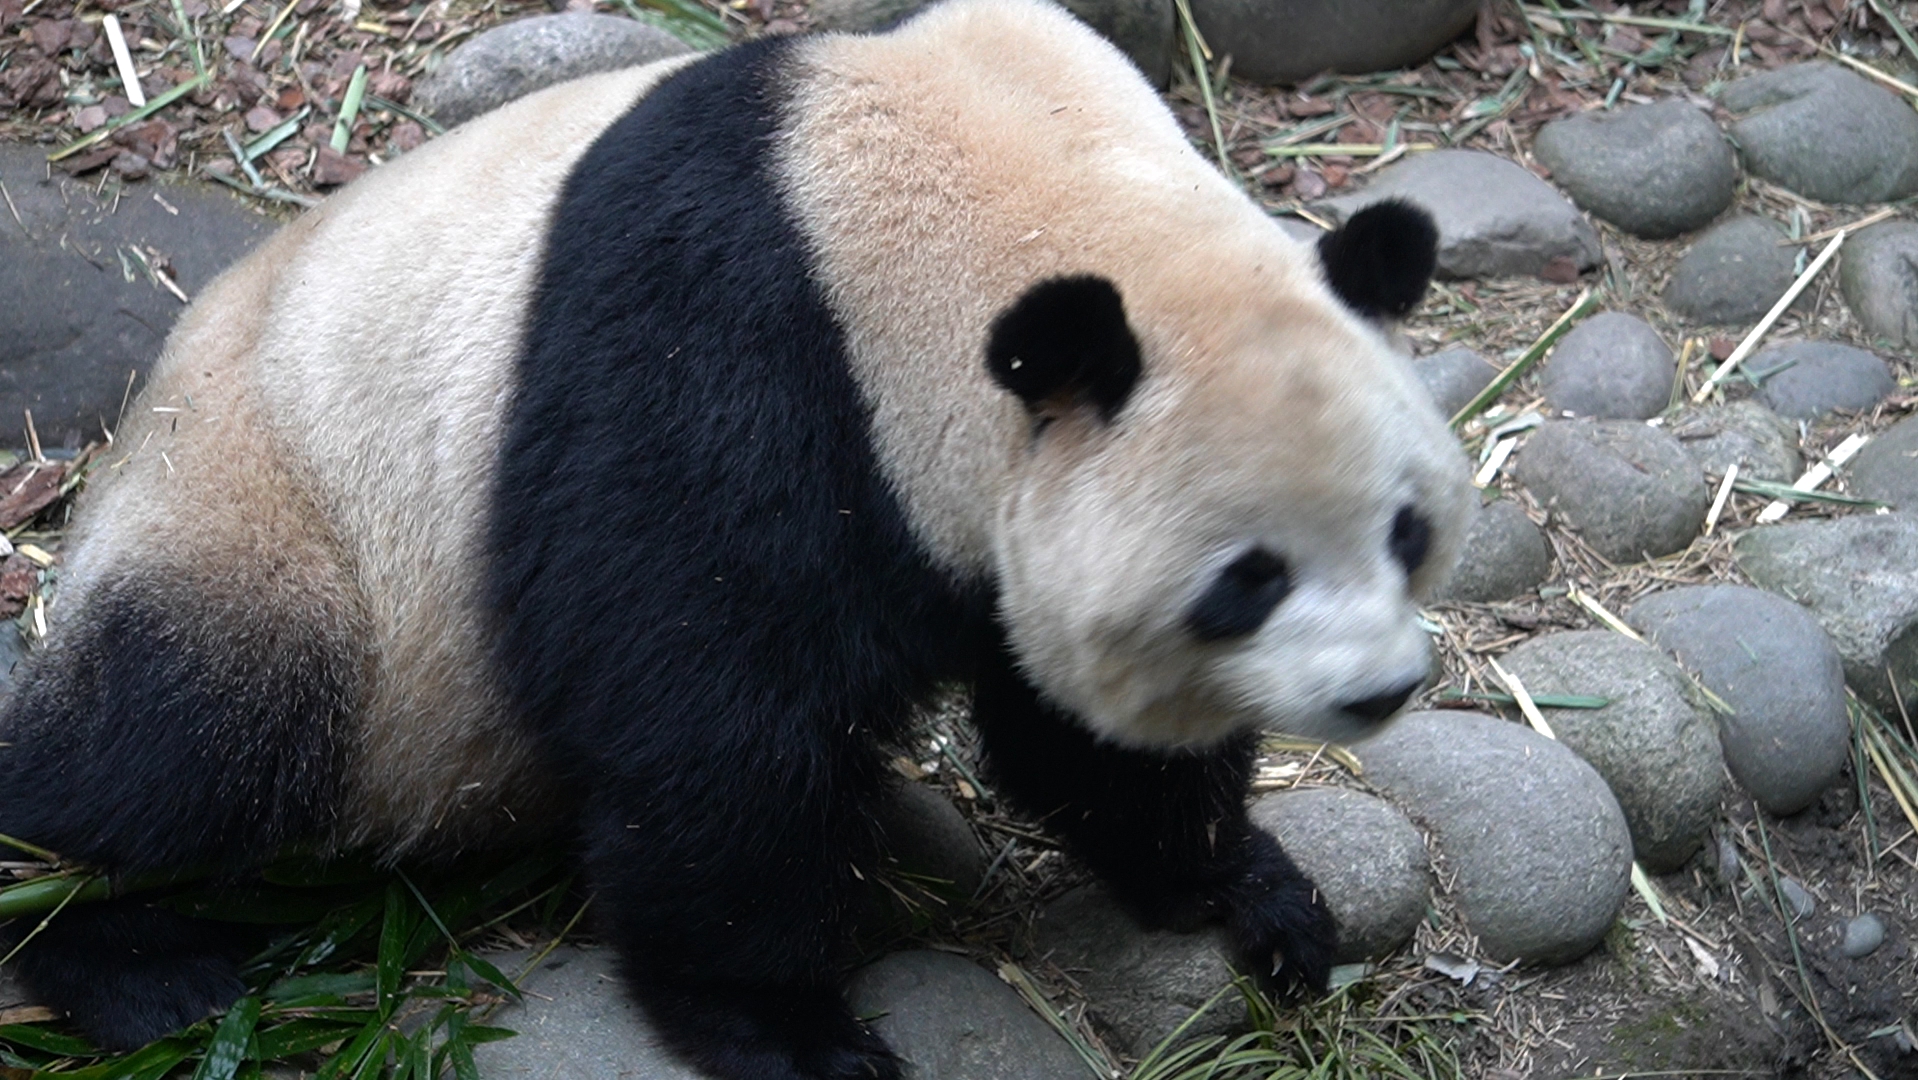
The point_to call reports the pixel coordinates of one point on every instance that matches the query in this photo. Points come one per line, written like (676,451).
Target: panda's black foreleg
(1167,832)
(727,892)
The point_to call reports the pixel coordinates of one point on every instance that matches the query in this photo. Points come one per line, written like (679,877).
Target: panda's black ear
(1064,343)
(1380,263)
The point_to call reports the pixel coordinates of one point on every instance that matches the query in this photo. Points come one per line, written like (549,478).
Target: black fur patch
(1381,262)
(128,973)
(1241,598)
(710,606)
(1411,538)
(170,730)
(1065,341)
(1167,832)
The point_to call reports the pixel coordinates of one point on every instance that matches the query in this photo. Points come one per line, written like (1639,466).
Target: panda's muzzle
(1380,707)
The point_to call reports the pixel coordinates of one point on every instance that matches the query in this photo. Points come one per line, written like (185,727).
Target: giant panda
(626,465)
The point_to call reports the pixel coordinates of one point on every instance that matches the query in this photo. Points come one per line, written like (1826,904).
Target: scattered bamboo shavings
(1199,53)
(37,554)
(1647,21)
(123,60)
(1746,347)
(271,28)
(1305,746)
(1724,495)
(1342,149)
(1648,891)
(33,439)
(1858,65)
(14,210)
(1590,603)
(1015,976)
(1580,307)
(132,117)
(1501,449)
(349,108)
(28,1014)
(1904,34)
(1816,475)
(1891,772)
(1872,218)
(1526,705)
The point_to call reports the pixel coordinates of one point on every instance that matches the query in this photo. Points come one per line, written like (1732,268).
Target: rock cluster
(1652,170)
(516,58)
(1495,219)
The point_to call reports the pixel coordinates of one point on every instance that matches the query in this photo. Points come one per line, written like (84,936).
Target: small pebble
(1798,897)
(1730,869)
(1863,935)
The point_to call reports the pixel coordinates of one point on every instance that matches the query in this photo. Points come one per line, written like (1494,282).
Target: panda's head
(1233,494)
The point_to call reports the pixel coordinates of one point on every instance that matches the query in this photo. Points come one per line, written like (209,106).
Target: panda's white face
(1241,546)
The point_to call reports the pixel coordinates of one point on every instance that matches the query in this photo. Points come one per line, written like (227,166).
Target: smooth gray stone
(576,1021)
(1733,273)
(1144,30)
(1368,862)
(1283,41)
(1612,365)
(1878,273)
(1653,170)
(1763,444)
(1540,850)
(1789,735)
(1807,379)
(1859,577)
(79,314)
(516,58)
(950,1019)
(1825,132)
(1141,984)
(1863,934)
(1454,376)
(1504,556)
(1495,218)
(1887,468)
(931,866)
(1802,903)
(1655,744)
(1629,489)
(927,836)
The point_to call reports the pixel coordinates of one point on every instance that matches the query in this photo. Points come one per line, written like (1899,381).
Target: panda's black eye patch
(1411,538)
(1241,597)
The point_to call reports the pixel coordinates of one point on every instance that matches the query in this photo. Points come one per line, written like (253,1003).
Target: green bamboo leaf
(325,988)
(396,928)
(50,1041)
(353,1054)
(228,1048)
(300,1036)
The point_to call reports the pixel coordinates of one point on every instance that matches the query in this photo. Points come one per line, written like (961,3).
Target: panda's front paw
(1281,931)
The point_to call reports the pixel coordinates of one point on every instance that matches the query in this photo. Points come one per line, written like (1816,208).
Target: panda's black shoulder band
(1066,341)
(1381,261)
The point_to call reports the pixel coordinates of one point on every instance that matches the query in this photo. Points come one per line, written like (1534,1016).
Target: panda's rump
(194,703)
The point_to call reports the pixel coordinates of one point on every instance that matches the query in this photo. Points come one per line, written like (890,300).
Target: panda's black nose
(1374,709)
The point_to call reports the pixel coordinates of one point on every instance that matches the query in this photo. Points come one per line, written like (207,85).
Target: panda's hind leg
(180,721)
(191,713)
